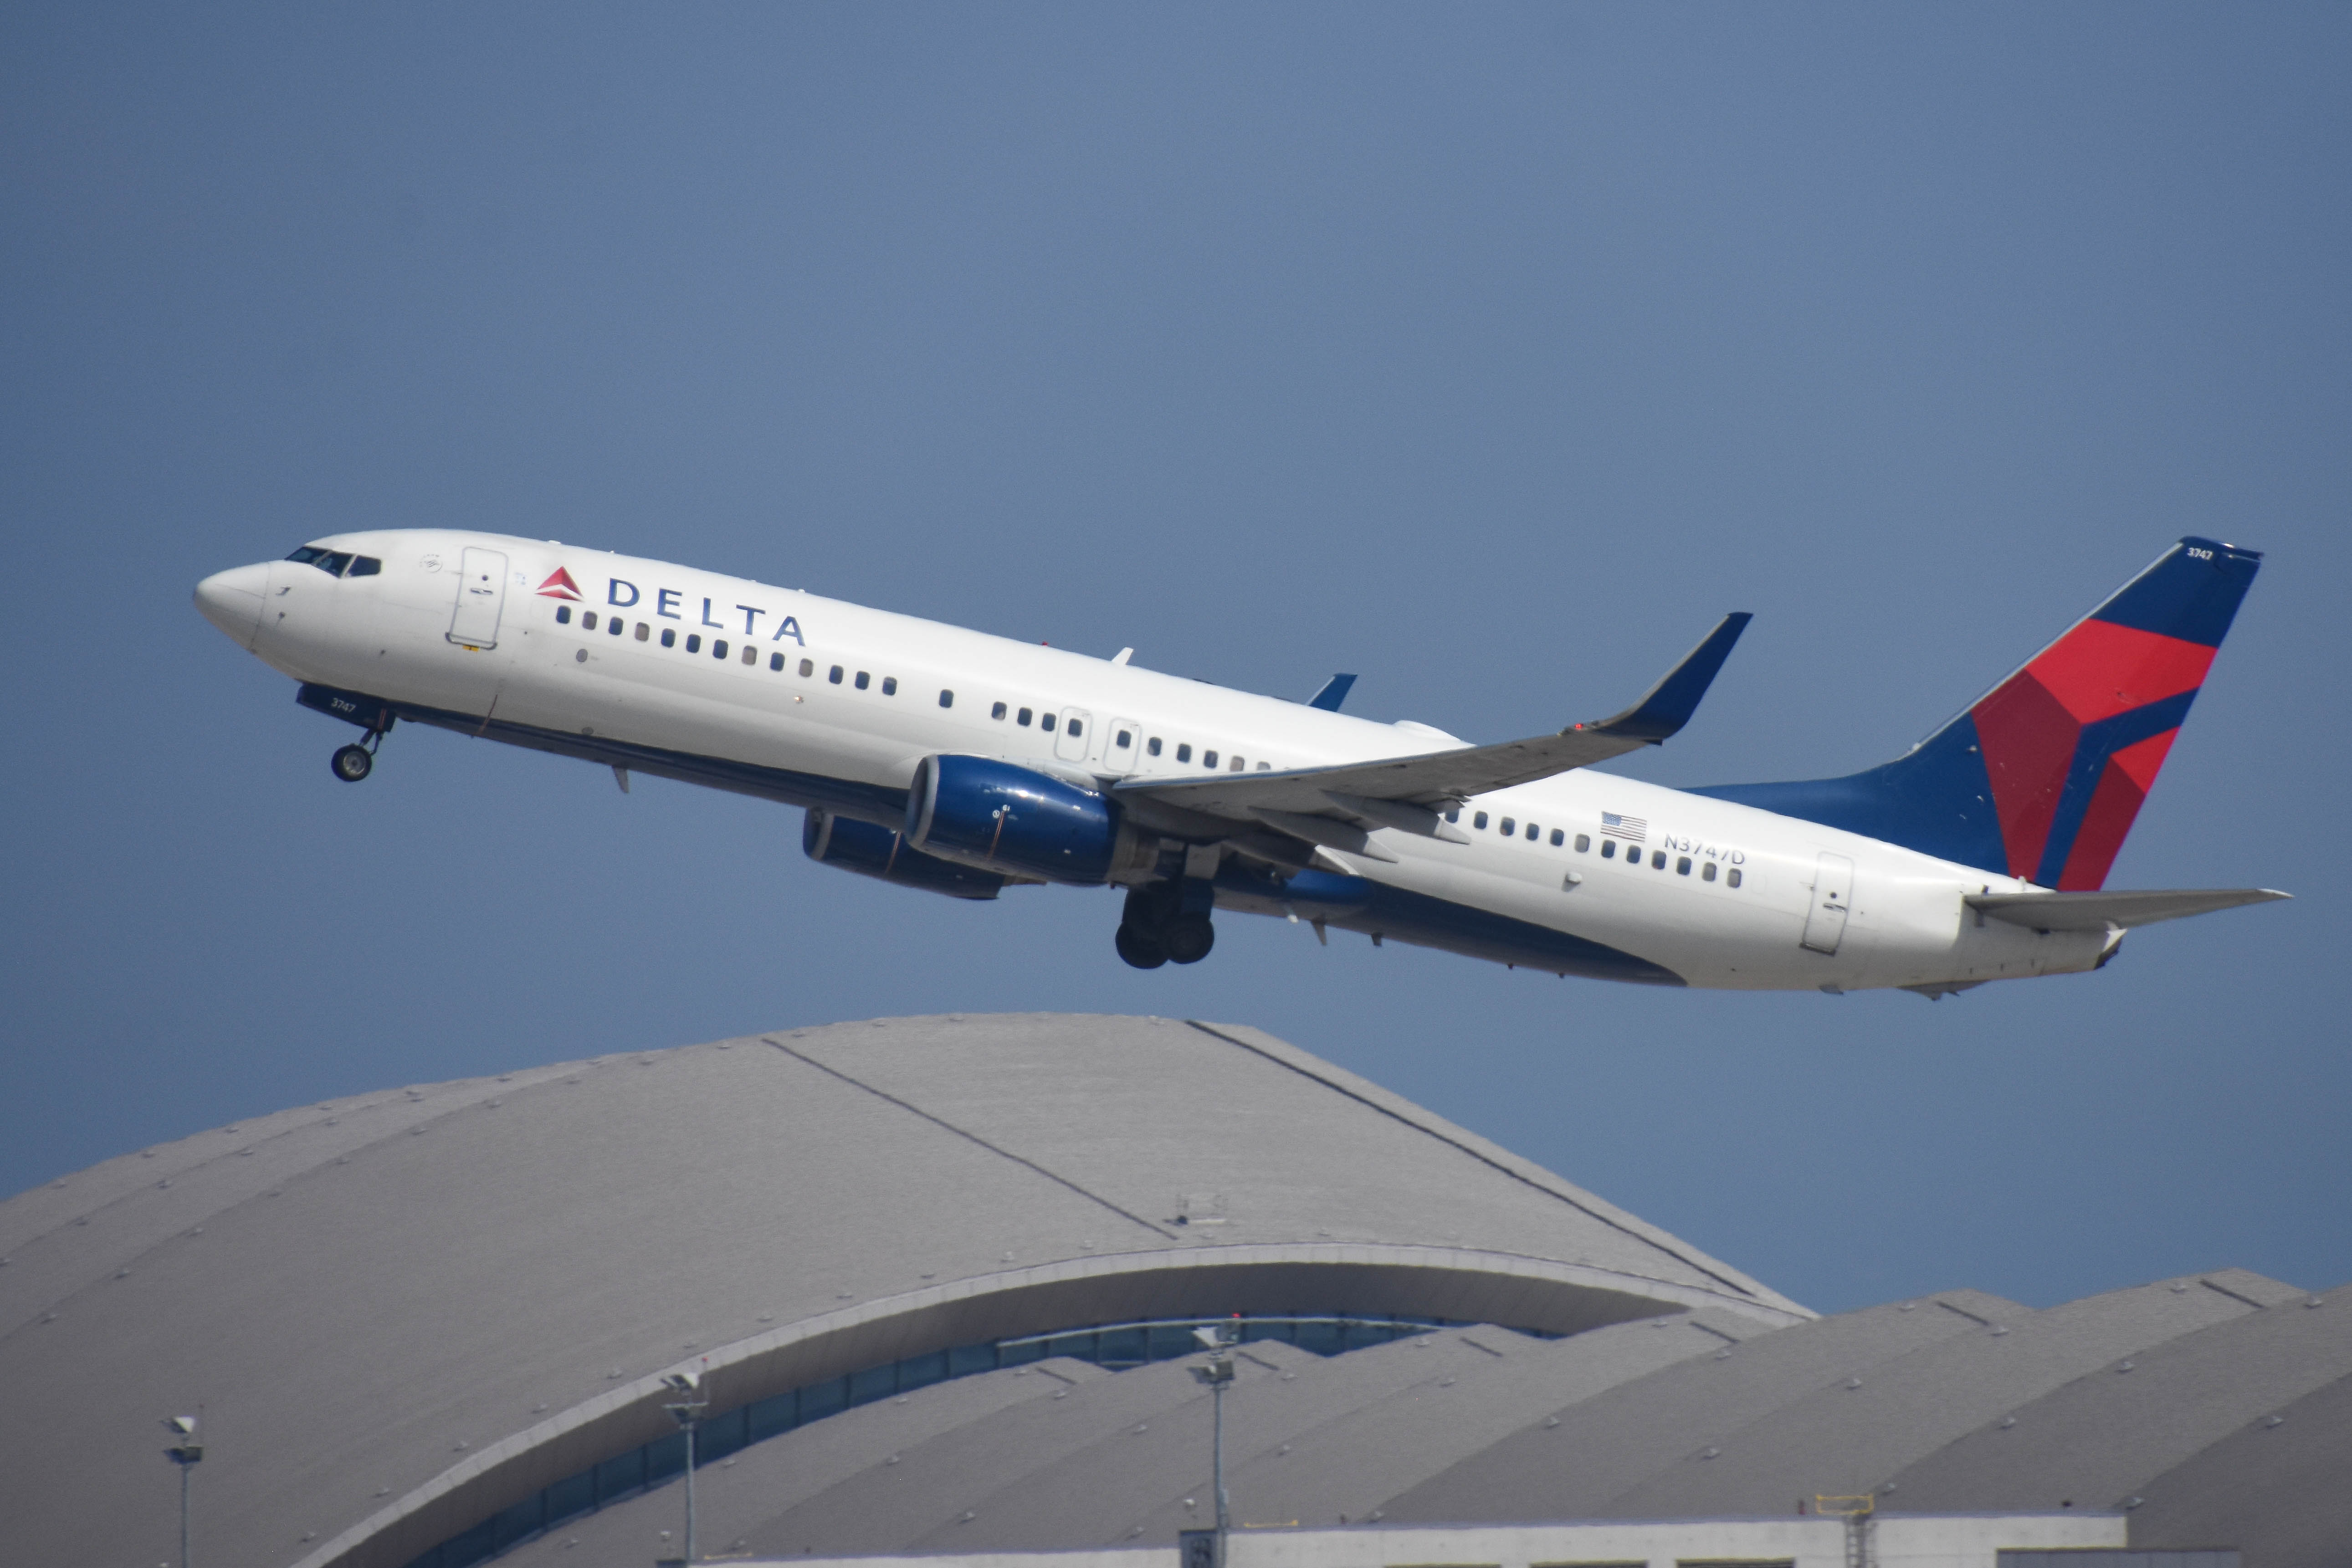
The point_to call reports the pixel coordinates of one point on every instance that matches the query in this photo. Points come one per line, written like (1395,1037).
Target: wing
(2097,911)
(1399,792)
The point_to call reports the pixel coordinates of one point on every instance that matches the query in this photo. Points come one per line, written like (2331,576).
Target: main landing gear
(1167,922)
(355,762)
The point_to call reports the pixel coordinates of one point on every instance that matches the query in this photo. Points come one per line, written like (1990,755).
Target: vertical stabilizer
(2043,775)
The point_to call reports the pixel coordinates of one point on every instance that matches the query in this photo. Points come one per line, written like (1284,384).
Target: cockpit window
(334,562)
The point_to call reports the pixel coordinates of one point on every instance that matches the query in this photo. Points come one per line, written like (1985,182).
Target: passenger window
(1455,814)
(617,625)
(808,667)
(1509,827)
(1734,878)
(776,663)
(947,698)
(364,567)
(669,637)
(1077,727)
(1184,753)
(1558,837)
(1045,723)
(1706,872)
(1479,821)
(694,642)
(588,620)
(1234,766)
(1209,761)
(750,654)
(1608,848)
(562,614)
(889,686)
(1584,842)
(835,676)
(1681,866)
(1263,767)
(1657,859)
(863,681)
(1121,738)
(997,711)
(719,647)
(1023,717)
(1152,745)
(1531,833)
(645,631)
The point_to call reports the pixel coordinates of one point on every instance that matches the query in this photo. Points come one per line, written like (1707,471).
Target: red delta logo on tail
(560,586)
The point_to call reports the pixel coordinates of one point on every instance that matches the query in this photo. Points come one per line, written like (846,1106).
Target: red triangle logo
(560,586)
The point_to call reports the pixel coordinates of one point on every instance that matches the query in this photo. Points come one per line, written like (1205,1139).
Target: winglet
(1334,692)
(1666,707)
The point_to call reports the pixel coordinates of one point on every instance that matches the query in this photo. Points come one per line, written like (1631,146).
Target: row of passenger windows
(1510,828)
(338,563)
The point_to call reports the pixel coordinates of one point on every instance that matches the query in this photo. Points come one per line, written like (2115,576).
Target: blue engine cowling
(872,851)
(1030,823)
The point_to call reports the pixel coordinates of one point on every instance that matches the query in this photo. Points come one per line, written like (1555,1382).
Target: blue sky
(1489,352)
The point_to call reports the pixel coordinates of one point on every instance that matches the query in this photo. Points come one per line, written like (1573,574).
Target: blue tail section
(2042,776)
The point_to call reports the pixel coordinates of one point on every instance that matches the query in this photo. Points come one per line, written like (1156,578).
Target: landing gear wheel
(352,763)
(1140,948)
(1187,938)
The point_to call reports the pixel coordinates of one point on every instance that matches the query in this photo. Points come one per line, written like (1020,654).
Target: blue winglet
(1668,705)
(1334,692)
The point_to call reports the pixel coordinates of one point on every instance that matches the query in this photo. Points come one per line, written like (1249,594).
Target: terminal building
(938,1280)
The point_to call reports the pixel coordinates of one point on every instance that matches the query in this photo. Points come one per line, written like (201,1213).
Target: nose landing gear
(1167,922)
(355,762)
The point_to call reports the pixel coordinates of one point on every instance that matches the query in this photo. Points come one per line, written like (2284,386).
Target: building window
(889,686)
(1184,753)
(1608,848)
(1584,842)
(863,681)
(997,711)
(1681,866)
(562,614)
(1733,879)
(669,637)
(588,620)
(694,642)
(1706,872)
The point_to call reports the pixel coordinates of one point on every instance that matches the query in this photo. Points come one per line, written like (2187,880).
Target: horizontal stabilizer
(2097,911)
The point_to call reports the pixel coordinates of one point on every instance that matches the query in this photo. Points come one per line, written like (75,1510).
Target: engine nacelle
(1002,816)
(872,851)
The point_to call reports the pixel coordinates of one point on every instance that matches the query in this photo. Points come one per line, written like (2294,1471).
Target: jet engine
(1015,819)
(872,851)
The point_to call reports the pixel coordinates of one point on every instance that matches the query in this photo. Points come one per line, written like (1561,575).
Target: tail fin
(2042,777)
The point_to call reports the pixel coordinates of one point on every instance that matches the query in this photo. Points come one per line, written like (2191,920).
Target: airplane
(962,764)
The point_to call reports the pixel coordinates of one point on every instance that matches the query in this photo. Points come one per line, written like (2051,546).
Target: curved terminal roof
(402,1312)
(429,1324)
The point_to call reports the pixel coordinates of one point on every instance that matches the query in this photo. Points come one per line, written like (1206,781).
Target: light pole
(1217,1372)
(686,1410)
(186,1453)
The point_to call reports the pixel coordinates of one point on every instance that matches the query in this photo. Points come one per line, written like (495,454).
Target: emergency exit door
(1833,897)
(481,597)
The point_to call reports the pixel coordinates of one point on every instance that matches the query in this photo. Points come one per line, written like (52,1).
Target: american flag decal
(1631,827)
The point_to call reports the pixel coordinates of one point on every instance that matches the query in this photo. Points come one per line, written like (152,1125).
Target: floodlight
(682,1382)
(1211,1335)
(186,1426)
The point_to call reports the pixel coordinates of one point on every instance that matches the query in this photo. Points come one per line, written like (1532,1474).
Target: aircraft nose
(231,600)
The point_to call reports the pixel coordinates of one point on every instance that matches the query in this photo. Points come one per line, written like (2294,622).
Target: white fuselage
(418,634)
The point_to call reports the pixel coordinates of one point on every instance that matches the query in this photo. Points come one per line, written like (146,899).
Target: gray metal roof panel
(1608,1443)
(2275,1491)
(2101,1439)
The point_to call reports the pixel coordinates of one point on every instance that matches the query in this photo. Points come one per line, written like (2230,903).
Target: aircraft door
(1833,897)
(481,598)
(1122,746)
(1075,736)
